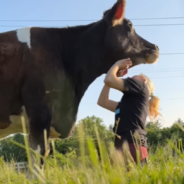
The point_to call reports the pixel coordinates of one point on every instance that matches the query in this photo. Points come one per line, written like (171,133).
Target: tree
(10,151)
(111,128)
(154,125)
(179,121)
(87,125)
(159,136)
(156,135)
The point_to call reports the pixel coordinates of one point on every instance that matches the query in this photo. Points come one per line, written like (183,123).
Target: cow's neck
(88,63)
(70,43)
(82,54)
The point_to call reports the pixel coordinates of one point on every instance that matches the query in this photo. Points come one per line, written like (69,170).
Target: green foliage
(88,124)
(157,137)
(10,151)
(86,168)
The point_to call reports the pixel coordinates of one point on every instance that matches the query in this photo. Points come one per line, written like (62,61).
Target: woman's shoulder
(134,85)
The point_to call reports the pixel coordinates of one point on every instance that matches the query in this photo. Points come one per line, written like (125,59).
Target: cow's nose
(156,47)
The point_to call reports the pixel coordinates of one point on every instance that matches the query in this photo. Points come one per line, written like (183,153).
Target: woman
(131,112)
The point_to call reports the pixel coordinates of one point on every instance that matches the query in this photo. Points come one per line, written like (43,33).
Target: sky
(167,74)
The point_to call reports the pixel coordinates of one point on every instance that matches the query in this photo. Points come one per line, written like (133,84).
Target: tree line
(94,128)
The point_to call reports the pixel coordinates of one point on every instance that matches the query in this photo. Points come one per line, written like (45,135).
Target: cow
(44,72)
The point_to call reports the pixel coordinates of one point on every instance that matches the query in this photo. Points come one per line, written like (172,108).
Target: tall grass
(92,167)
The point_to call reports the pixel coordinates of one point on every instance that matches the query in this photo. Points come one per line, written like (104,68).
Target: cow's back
(11,73)
(35,54)
(25,53)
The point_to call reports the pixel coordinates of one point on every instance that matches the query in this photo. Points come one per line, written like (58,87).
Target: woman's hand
(118,69)
(121,73)
(123,63)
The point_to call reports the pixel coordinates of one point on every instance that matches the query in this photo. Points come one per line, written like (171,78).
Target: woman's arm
(104,101)
(111,78)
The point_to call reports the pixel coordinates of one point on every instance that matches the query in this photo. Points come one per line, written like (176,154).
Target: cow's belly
(16,127)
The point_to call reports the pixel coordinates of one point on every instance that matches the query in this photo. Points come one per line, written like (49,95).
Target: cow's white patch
(24,36)
(16,127)
(53,133)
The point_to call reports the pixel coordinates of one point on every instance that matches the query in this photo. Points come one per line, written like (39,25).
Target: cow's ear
(115,15)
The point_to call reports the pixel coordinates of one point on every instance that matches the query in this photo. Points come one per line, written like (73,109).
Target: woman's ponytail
(154,103)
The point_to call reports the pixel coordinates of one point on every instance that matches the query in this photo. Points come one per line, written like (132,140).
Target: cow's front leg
(41,148)
(39,117)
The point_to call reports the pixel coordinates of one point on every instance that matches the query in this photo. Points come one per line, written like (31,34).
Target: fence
(20,166)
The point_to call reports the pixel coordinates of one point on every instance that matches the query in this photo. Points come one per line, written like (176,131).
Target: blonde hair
(154,102)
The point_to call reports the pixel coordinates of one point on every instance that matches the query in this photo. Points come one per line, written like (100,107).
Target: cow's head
(122,41)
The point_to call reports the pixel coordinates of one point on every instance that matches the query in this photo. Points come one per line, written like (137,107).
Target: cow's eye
(122,39)
(130,25)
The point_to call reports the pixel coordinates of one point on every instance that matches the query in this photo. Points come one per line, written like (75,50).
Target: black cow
(44,72)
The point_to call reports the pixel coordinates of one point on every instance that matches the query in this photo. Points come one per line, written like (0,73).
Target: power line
(159,18)
(90,103)
(165,77)
(155,78)
(159,54)
(179,24)
(156,18)
(157,71)
(171,53)
(173,99)
(145,25)
(164,54)
(164,69)
(170,77)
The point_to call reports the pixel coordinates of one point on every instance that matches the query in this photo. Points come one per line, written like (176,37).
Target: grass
(163,167)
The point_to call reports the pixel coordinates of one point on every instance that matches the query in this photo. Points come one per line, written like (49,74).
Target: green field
(81,163)
(163,168)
